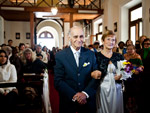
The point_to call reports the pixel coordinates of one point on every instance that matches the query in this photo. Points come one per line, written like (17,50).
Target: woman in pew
(31,64)
(8,95)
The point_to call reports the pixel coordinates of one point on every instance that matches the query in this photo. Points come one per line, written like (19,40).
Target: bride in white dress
(109,98)
(109,95)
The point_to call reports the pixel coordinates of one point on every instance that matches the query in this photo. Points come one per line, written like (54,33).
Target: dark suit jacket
(70,79)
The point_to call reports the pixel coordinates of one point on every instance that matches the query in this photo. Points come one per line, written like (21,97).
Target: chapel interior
(47,22)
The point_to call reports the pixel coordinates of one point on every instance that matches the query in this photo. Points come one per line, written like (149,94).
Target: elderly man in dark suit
(73,78)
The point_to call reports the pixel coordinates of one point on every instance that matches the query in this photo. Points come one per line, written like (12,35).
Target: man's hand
(96,74)
(80,98)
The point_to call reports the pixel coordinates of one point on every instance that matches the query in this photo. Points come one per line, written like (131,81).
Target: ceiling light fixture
(54,10)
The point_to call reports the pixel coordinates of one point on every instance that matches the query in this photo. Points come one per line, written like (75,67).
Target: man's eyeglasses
(146,43)
(2,56)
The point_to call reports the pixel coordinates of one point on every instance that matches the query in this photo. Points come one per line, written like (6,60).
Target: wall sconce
(54,10)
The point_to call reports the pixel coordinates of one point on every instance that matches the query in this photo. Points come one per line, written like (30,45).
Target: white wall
(111,15)
(13,27)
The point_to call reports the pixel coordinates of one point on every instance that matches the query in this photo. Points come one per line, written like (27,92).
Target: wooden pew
(36,81)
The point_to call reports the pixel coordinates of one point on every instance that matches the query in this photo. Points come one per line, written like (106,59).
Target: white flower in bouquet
(125,69)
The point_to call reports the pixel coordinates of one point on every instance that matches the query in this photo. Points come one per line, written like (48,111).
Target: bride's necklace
(107,54)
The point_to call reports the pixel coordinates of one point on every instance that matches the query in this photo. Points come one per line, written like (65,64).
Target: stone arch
(55,28)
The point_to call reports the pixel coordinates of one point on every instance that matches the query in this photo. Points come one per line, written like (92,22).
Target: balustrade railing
(87,4)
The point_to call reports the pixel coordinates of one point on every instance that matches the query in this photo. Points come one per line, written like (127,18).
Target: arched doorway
(47,36)
(49,33)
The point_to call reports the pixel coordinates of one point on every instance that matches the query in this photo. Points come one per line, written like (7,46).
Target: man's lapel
(83,58)
(70,58)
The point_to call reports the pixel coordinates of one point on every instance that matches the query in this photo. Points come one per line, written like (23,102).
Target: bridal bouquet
(125,68)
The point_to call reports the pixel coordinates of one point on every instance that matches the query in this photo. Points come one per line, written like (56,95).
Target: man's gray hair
(7,49)
(71,29)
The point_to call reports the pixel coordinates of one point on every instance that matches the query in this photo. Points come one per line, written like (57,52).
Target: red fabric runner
(54,96)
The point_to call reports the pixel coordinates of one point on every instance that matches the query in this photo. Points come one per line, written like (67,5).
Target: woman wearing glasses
(145,55)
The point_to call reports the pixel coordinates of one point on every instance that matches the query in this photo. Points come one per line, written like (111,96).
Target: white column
(66,30)
(1,30)
(146,17)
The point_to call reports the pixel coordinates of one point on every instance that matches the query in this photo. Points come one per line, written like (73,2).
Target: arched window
(46,35)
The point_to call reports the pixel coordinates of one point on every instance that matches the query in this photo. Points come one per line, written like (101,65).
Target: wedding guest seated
(8,95)
(96,46)
(141,39)
(27,45)
(128,42)
(90,47)
(133,84)
(137,46)
(31,64)
(120,47)
(39,51)
(40,56)
(45,49)
(16,61)
(2,45)
(21,49)
(8,51)
(10,43)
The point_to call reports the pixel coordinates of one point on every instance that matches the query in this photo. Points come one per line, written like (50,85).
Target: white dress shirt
(76,55)
(77,61)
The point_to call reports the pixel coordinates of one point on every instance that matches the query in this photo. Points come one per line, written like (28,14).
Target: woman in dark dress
(145,55)
(133,85)
(109,94)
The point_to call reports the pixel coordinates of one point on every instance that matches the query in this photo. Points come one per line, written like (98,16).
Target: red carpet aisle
(54,97)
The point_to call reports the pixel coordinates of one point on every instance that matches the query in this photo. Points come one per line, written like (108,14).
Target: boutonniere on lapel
(86,64)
